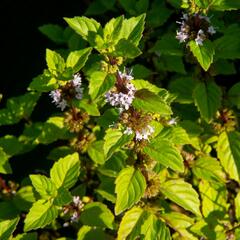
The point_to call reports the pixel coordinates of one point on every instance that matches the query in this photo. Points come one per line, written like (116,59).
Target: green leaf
(59,152)
(224,5)
(129,221)
(209,228)
(90,233)
(55,62)
(134,7)
(7,227)
(167,45)
(183,89)
(228,46)
(234,95)
(132,29)
(97,214)
(63,197)
(53,129)
(140,71)
(223,67)
(18,108)
(152,228)
(143,84)
(164,152)
(182,194)
(237,205)
(228,150)
(5,167)
(109,117)
(53,32)
(44,186)
(24,198)
(176,135)
(26,236)
(88,28)
(207,97)
(126,49)
(100,83)
(65,171)
(87,105)
(169,63)
(114,164)
(106,188)
(43,83)
(114,140)
(41,214)
(11,145)
(177,220)
(208,168)
(158,14)
(151,102)
(96,153)
(214,199)
(77,59)
(8,210)
(112,31)
(139,223)
(204,53)
(130,187)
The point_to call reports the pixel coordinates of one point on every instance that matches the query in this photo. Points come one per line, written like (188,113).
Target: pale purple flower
(126,75)
(128,131)
(121,100)
(182,36)
(58,100)
(56,96)
(211,30)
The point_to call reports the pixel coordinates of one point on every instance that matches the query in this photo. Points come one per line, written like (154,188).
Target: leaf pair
(53,191)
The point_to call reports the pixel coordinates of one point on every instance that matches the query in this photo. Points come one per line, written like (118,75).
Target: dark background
(23,49)
(22,45)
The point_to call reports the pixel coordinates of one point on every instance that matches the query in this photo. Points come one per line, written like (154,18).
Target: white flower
(56,96)
(66,224)
(76,200)
(204,17)
(74,217)
(77,80)
(128,76)
(62,104)
(185,16)
(128,131)
(145,133)
(211,30)
(172,121)
(121,100)
(182,36)
(57,99)
(200,37)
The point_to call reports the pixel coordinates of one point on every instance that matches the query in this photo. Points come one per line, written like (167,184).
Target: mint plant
(144,138)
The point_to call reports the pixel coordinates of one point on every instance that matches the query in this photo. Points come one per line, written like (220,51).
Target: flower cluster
(138,123)
(74,209)
(195,27)
(70,90)
(142,134)
(122,94)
